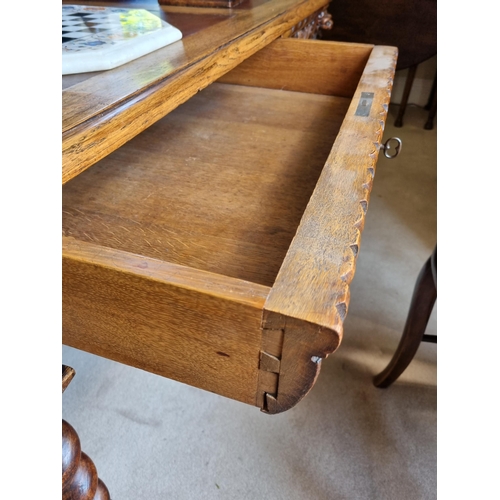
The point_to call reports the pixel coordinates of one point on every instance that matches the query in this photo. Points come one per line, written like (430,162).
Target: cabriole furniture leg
(432,106)
(422,303)
(406,94)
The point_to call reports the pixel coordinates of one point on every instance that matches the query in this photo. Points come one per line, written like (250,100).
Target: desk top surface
(101,38)
(103,110)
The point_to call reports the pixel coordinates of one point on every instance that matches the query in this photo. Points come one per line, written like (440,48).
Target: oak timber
(329,68)
(192,326)
(175,240)
(220,184)
(188,20)
(304,345)
(102,113)
(312,285)
(79,474)
(68,374)
(313,281)
(202,3)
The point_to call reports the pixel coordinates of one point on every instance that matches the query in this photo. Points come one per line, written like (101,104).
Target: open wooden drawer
(216,248)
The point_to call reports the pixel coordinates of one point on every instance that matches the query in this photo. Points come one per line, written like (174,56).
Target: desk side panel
(196,327)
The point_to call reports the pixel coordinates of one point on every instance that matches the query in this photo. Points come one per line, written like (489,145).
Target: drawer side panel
(313,282)
(310,297)
(162,318)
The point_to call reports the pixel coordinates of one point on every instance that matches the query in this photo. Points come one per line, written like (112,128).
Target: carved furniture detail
(312,27)
(79,474)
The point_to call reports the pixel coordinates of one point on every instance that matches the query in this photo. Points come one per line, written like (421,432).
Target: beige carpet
(152,438)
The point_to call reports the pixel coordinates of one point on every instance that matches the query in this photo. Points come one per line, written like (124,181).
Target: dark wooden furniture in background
(422,303)
(79,475)
(410,25)
(431,106)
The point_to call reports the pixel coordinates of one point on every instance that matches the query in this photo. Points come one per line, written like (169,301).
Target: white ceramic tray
(100,38)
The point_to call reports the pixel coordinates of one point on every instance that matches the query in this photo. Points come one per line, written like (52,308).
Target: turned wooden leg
(406,94)
(422,302)
(79,475)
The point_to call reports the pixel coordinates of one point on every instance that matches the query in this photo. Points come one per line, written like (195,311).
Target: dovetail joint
(269,365)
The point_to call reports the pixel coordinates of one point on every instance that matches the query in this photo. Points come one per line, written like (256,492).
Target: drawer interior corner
(220,184)
(312,66)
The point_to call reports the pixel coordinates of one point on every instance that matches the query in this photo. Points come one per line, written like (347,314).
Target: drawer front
(217,247)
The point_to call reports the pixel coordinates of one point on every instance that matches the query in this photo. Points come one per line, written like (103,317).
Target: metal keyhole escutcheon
(389,146)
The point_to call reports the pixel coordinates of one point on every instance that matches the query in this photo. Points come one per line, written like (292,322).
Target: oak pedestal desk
(214,194)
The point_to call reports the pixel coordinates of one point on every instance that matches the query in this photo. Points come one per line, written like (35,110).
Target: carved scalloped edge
(350,260)
(304,345)
(367,184)
(349,266)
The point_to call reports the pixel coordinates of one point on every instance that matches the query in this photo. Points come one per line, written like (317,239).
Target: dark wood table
(410,25)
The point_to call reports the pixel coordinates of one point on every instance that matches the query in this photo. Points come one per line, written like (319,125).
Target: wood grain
(202,3)
(304,347)
(312,285)
(313,281)
(329,68)
(103,113)
(190,21)
(188,325)
(68,374)
(175,240)
(220,184)
(183,18)
(79,475)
